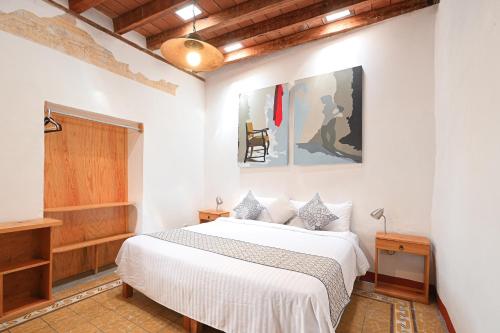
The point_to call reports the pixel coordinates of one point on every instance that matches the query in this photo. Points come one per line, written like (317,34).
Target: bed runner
(325,269)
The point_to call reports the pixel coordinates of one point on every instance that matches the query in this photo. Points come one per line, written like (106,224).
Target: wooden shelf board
(11,268)
(81,245)
(86,207)
(28,225)
(399,291)
(20,306)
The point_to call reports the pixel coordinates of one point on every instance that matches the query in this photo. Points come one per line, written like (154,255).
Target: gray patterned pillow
(315,214)
(249,208)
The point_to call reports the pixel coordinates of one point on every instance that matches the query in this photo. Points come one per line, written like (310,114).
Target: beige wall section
(466,223)
(172,143)
(398,158)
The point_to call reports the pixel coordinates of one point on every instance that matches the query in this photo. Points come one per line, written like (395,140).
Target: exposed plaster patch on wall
(61,33)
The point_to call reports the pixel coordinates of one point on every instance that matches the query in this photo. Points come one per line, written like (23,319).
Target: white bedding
(239,296)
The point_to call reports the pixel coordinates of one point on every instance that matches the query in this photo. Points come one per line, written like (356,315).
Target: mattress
(233,295)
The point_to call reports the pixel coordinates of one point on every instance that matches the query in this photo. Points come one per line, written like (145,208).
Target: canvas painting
(263,127)
(328,118)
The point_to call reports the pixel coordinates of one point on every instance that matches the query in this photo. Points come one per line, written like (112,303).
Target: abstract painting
(328,118)
(263,127)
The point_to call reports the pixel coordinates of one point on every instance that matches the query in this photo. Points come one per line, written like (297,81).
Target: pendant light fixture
(191,52)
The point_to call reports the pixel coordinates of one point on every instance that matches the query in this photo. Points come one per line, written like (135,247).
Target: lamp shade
(377,213)
(192,53)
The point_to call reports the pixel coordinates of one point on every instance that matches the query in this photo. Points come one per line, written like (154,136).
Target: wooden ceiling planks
(261,26)
(222,19)
(146,13)
(294,20)
(79,6)
(327,30)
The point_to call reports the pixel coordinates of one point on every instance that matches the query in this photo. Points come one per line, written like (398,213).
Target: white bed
(239,296)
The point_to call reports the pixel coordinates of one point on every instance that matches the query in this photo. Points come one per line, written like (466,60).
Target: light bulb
(193,58)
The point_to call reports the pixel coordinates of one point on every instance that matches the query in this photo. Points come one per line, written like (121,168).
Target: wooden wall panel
(72,263)
(86,163)
(86,225)
(89,224)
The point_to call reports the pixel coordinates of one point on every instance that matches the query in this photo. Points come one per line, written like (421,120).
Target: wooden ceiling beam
(327,30)
(296,18)
(79,6)
(233,15)
(141,15)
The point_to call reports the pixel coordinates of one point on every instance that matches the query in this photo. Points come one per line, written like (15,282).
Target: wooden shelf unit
(86,186)
(25,266)
(85,207)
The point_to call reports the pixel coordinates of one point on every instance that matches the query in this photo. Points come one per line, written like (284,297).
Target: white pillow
(341,210)
(278,210)
(281,210)
(266,202)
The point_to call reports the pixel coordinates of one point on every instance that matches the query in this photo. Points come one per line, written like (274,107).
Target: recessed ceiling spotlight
(233,47)
(338,15)
(186,13)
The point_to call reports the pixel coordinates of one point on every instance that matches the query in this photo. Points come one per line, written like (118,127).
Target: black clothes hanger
(54,125)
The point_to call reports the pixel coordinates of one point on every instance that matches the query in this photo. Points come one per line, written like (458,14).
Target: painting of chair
(257,143)
(263,127)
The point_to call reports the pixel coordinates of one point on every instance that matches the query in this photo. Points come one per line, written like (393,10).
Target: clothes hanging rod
(92,116)
(94,120)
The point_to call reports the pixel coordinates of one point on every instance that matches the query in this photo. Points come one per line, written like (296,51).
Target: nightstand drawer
(391,245)
(208,216)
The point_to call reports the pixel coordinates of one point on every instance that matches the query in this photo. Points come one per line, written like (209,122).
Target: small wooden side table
(208,215)
(407,244)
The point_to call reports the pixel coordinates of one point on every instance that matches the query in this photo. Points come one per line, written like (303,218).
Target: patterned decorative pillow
(315,214)
(249,208)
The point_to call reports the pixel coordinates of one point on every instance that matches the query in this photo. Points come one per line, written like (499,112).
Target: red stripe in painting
(278,105)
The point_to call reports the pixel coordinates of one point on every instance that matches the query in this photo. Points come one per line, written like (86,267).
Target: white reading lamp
(377,214)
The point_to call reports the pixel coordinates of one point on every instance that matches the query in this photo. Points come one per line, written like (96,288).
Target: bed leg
(191,325)
(186,323)
(127,290)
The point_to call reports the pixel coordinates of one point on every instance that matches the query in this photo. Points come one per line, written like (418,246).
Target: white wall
(398,153)
(466,223)
(173,138)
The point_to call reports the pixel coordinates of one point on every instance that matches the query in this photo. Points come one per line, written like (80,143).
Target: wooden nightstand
(406,244)
(208,215)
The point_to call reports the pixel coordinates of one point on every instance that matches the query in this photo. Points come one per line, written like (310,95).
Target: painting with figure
(263,127)
(328,118)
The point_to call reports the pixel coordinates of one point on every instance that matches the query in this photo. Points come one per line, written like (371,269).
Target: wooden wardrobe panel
(85,163)
(72,263)
(107,253)
(89,224)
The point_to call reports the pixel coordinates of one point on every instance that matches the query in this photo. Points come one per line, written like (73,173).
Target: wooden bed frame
(190,325)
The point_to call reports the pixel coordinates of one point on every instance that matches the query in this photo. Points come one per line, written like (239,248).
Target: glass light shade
(193,58)
(192,53)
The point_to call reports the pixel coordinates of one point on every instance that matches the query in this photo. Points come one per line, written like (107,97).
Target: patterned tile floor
(108,311)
